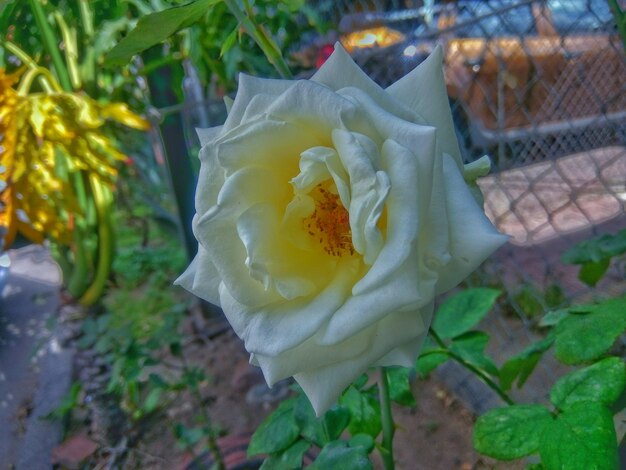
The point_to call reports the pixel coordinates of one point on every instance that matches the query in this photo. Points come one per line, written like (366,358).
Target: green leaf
(511,432)
(470,346)
(520,366)
(602,382)
(364,411)
(152,400)
(429,360)
(590,273)
(320,430)
(289,459)
(277,432)
(464,310)
(187,437)
(155,28)
(360,382)
(230,41)
(596,249)
(362,440)
(582,437)
(584,337)
(553,317)
(399,386)
(338,455)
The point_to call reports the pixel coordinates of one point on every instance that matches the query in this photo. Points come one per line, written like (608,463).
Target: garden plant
(331,215)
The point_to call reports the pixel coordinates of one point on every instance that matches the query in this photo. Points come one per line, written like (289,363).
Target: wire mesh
(540,87)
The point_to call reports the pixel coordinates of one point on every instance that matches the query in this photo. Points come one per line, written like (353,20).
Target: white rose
(330,213)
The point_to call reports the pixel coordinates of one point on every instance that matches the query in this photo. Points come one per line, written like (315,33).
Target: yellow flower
(47,137)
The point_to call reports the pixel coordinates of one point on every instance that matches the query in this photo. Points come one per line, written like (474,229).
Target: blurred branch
(263,40)
(51,44)
(47,81)
(70,50)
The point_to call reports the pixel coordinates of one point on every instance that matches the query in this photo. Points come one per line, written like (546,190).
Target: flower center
(329,224)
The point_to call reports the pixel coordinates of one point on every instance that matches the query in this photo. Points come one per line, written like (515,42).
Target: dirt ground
(435,435)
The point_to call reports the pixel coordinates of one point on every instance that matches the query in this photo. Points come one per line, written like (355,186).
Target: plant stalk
(204,415)
(481,374)
(263,40)
(387,421)
(620,19)
(71,50)
(103,200)
(47,81)
(50,44)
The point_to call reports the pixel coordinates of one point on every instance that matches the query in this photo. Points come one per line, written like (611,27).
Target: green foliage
(463,311)
(582,437)
(156,27)
(511,432)
(364,410)
(594,255)
(429,358)
(279,431)
(399,386)
(293,428)
(579,433)
(68,403)
(321,430)
(590,331)
(339,454)
(602,382)
(450,335)
(470,347)
(289,459)
(187,437)
(519,367)
(531,301)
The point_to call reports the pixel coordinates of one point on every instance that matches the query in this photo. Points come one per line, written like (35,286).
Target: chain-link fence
(540,87)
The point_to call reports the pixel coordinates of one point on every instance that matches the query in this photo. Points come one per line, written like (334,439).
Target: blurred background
(98,167)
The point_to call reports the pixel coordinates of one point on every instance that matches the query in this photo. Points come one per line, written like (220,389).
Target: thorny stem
(387,421)
(482,375)
(263,40)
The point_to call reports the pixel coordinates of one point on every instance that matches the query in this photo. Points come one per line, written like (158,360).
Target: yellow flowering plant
(58,165)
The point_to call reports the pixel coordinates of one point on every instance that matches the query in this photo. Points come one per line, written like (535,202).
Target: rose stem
(478,372)
(386,451)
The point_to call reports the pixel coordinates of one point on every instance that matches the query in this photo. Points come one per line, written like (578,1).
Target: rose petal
(388,124)
(276,145)
(324,384)
(368,190)
(201,278)
(274,261)
(472,236)
(317,110)
(398,278)
(207,135)
(249,87)
(340,72)
(424,91)
(210,179)
(276,328)
(217,233)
